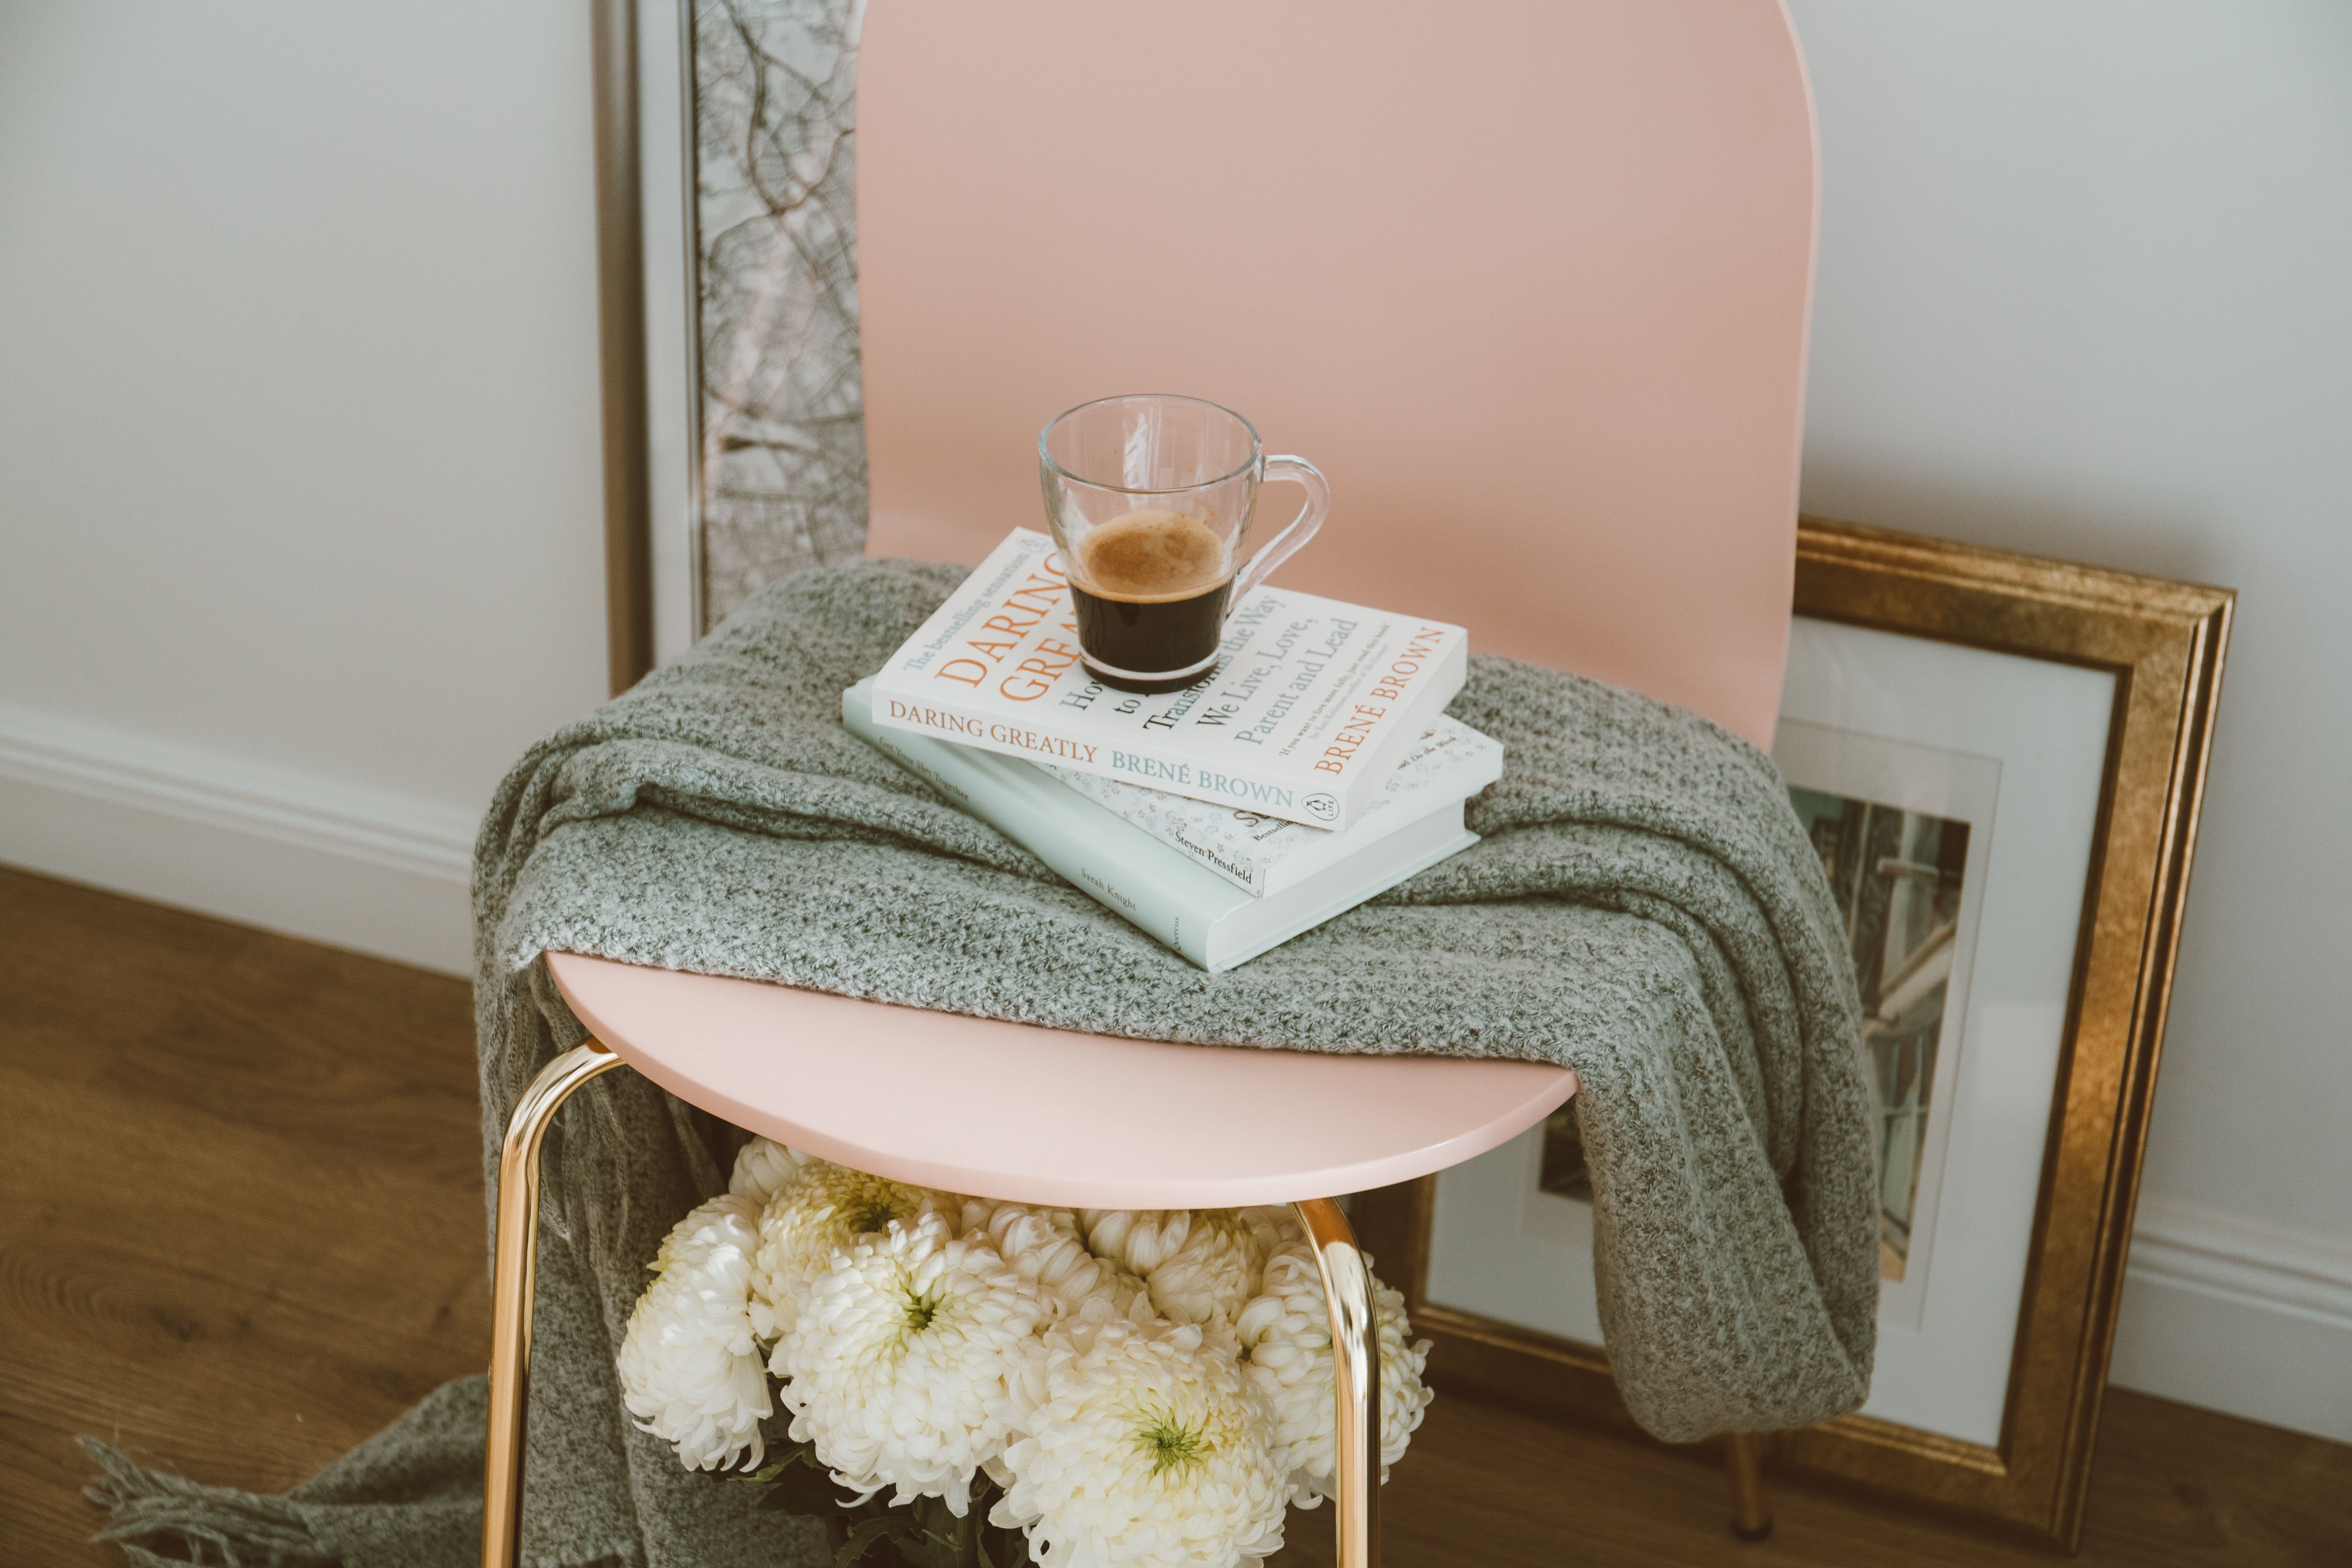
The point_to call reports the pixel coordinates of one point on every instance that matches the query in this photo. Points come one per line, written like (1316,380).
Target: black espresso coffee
(1150,589)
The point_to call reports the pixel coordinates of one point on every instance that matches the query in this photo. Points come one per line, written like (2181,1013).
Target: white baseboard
(356,867)
(2241,1317)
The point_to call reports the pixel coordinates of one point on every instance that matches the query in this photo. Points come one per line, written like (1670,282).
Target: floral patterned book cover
(1447,762)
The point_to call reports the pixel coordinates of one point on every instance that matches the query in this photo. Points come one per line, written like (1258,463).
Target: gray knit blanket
(1643,908)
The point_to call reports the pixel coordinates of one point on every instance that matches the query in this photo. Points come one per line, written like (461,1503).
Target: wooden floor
(241,1227)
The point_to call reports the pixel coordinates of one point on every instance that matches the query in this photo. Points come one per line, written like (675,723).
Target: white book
(1310,698)
(1443,766)
(1165,894)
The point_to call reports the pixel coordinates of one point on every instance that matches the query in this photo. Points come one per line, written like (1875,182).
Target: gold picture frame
(2164,642)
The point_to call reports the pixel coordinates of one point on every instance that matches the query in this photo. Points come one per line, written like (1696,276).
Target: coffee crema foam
(1151,556)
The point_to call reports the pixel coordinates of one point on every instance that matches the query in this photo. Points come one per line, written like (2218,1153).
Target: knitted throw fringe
(216,1525)
(409,1497)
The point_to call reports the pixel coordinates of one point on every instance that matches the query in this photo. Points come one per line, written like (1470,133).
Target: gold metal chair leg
(513,1286)
(1355,1368)
(1751,1516)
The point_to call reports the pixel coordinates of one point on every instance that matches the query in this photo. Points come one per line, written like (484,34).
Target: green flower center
(871,1212)
(1169,1443)
(920,1307)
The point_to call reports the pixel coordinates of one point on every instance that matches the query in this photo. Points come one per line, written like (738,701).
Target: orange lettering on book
(1043,669)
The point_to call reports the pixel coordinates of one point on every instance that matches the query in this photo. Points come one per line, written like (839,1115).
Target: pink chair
(1527,279)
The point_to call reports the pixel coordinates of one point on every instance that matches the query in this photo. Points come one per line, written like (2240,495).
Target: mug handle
(1283,545)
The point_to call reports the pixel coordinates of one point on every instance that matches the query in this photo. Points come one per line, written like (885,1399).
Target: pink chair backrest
(1527,278)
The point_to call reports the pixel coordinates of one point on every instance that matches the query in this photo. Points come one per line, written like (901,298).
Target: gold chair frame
(1346,1288)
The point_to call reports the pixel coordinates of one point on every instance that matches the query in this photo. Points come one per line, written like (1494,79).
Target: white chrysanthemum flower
(764,1168)
(814,1217)
(1135,1446)
(899,1358)
(988,1215)
(1137,1240)
(1214,1271)
(1285,1335)
(690,1369)
(979,1213)
(1046,1247)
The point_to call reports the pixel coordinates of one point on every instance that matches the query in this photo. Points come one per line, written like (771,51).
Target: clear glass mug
(1151,498)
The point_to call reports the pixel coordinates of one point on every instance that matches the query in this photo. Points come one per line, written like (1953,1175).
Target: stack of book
(1312,769)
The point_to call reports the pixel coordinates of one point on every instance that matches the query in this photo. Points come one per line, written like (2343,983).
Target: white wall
(300,505)
(299,518)
(2085,290)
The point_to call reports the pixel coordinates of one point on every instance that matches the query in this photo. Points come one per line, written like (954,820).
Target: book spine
(1179,770)
(1148,811)
(1085,843)
(1249,877)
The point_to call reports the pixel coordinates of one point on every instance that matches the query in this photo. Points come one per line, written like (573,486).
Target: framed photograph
(733,414)
(1999,758)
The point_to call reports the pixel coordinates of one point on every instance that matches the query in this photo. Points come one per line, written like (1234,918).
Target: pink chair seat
(1049,1116)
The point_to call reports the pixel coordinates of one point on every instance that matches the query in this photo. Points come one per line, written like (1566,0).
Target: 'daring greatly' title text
(1016,618)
